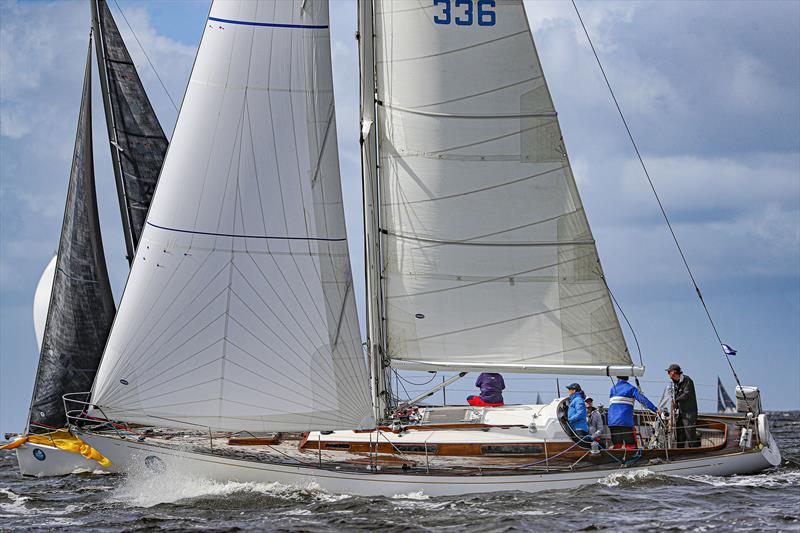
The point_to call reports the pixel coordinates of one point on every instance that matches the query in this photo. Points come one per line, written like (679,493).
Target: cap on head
(574,386)
(589,400)
(675,367)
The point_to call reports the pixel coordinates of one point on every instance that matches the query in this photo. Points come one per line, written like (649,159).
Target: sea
(623,501)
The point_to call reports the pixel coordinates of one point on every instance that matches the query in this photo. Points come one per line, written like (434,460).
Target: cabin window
(415,448)
(337,446)
(525,449)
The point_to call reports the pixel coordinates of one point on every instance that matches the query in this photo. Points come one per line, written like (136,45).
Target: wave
(148,490)
(779,479)
(14,503)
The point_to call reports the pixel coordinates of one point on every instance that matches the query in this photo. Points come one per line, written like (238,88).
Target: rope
(411,382)
(146,56)
(658,200)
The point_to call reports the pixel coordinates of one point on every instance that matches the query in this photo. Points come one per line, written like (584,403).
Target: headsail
(81,306)
(489,262)
(41,300)
(239,311)
(138,144)
(724,402)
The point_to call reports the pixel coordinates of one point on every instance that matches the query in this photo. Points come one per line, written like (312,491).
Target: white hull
(133,456)
(39,460)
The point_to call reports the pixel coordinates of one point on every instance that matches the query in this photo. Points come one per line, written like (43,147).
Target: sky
(711,91)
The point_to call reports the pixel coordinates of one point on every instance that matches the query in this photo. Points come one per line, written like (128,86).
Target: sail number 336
(464,12)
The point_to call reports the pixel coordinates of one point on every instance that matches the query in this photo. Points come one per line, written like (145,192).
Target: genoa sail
(239,312)
(81,305)
(488,259)
(138,144)
(724,402)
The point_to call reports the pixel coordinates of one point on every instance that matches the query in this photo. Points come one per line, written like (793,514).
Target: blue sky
(710,89)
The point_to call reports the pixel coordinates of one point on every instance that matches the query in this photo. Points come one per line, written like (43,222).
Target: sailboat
(238,327)
(724,402)
(73,303)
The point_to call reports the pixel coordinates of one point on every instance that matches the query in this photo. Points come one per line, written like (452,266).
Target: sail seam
(468,243)
(265,237)
(270,24)
(545,114)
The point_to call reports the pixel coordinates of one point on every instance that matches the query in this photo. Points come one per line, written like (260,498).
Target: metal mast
(372,237)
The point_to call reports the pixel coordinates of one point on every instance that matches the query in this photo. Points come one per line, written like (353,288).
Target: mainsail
(138,144)
(487,257)
(81,305)
(239,312)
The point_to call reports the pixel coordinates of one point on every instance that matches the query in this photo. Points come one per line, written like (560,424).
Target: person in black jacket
(684,401)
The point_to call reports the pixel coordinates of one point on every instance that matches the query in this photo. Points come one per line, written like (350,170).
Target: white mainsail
(239,312)
(489,262)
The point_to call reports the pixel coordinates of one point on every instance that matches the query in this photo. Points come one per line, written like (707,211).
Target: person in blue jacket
(620,412)
(576,414)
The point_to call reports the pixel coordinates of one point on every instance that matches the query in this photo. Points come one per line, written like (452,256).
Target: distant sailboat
(724,402)
(239,315)
(73,305)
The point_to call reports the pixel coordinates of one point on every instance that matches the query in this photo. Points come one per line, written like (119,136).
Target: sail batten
(487,257)
(81,305)
(239,313)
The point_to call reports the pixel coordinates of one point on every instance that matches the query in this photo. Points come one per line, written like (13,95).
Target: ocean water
(645,502)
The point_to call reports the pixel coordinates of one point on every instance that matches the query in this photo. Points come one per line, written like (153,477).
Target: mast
(112,137)
(372,238)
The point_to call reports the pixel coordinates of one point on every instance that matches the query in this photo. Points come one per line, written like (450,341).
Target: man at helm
(684,405)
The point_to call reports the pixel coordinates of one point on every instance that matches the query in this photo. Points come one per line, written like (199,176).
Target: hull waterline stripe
(269,24)
(326,239)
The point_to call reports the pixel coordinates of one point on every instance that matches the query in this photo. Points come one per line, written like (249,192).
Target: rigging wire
(658,198)
(163,86)
(630,326)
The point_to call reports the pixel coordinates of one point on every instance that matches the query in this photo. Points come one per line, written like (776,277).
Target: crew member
(576,414)
(492,386)
(620,413)
(684,405)
(593,417)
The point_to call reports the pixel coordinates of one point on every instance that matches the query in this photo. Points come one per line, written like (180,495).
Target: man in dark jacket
(491,386)
(684,400)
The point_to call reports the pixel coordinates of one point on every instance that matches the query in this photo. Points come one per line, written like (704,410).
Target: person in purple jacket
(491,386)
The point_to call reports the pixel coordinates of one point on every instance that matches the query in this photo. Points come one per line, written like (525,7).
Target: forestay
(79,305)
(489,260)
(239,312)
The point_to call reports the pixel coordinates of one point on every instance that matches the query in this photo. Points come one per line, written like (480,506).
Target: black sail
(81,304)
(138,144)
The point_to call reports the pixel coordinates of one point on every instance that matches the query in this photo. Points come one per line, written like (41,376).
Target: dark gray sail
(138,144)
(81,303)
(724,402)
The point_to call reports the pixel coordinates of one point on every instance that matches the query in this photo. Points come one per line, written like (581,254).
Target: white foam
(146,489)
(769,480)
(418,495)
(15,504)
(626,476)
